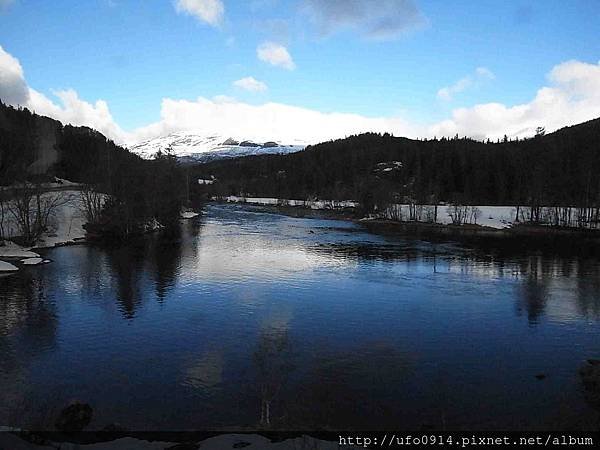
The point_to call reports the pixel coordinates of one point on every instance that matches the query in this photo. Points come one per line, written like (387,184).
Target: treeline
(123,194)
(557,170)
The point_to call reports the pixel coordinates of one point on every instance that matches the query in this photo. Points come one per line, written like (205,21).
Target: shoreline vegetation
(547,179)
(61,185)
(495,226)
(66,225)
(417,188)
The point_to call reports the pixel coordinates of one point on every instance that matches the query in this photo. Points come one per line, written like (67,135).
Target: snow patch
(309,204)
(32,261)
(204,148)
(65,226)
(7,267)
(11,250)
(498,217)
(189,214)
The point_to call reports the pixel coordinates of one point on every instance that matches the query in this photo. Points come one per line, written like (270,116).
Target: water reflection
(245,318)
(588,289)
(534,288)
(354,388)
(28,323)
(273,364)
(127,267)
(157,257)
(207,372)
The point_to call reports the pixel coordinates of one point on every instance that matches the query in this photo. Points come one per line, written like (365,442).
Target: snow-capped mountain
(203,148)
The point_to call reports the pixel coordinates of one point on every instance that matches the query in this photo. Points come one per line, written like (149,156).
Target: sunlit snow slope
(203,148)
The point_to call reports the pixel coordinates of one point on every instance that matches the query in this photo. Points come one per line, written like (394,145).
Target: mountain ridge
(198,148)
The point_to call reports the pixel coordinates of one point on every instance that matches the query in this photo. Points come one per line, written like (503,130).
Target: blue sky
(134,53)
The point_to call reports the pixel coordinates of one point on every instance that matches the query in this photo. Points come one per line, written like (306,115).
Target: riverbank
(519,236)
(66,228)
(494,230)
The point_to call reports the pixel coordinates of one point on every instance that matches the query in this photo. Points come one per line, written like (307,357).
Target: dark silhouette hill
(559,168)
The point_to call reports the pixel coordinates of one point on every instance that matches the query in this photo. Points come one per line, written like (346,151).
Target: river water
(247,318)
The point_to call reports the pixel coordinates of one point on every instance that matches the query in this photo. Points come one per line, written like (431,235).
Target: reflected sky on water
(244,318)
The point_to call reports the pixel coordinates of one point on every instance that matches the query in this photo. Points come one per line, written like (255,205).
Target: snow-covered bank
(10,250)
(489,216)
(65,226)
(33,261)
(7,267)
(309,204)
(498,217)
(189,214)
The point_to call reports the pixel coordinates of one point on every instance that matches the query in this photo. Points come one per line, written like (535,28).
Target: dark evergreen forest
(555,169)
(34,149)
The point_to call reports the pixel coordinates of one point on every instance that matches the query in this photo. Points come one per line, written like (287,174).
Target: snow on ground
(60,183)
(65,226)
(310,204)
(189,214)
(57,184)
(498,217)
(207,147)
(7,267)
(10,250)
(490,216)
(32,261)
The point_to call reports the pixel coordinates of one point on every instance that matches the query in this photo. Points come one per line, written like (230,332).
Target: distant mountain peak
(196,147)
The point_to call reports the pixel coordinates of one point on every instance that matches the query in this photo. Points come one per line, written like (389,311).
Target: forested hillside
(556,169)
(35,149)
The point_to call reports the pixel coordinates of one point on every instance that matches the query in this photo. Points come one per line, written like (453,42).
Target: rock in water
(74,418)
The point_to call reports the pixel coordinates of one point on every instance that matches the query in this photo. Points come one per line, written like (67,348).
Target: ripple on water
(334,326)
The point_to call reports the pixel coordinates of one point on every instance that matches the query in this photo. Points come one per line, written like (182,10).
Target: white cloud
(481,74)
(381,19)
(75,111)
(13,88)
(276,55)
(70,110)
(273,121)
(572,96)
(250,84)
(484,72)
(209,11)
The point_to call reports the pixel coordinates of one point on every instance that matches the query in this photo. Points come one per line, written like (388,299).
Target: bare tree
(458,213)
(92,203)
(31,209)
(463,214)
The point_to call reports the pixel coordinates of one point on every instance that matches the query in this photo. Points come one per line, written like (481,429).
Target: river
(245,318)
